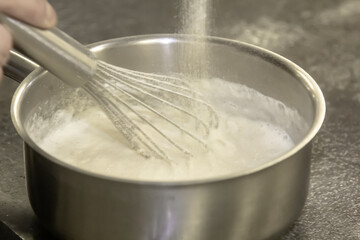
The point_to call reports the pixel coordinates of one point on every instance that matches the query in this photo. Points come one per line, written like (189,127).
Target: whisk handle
(54,50)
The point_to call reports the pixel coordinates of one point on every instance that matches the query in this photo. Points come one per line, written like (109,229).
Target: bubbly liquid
(252,130)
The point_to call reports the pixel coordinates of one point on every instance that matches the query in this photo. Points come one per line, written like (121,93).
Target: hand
(35,12)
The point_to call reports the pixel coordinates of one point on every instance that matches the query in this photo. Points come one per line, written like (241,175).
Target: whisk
(159,115)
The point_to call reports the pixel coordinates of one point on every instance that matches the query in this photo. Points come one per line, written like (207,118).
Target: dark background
(322,36)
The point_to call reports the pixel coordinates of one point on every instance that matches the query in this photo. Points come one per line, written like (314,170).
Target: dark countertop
(322,36)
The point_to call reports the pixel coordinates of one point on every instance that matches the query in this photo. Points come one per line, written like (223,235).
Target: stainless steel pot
(257,204)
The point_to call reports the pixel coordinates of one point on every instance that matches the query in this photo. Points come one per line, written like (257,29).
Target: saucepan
(260,203)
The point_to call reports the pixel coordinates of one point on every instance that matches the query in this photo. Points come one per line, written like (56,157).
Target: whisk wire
(126,95)
(129,107)
(148,94)
(126,126)
(143,79)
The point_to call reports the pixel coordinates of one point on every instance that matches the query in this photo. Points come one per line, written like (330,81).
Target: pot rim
(287,65)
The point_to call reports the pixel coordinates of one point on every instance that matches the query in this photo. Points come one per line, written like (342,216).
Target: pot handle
(19,66)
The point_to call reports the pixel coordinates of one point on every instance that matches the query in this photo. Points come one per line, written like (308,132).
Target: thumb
(35,12)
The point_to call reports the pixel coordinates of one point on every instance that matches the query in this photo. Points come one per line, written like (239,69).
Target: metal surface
(19,67)
(54,50)
(79,205)
(321,36)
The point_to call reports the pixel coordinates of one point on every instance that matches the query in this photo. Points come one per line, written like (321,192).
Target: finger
(1,74)
(36,12)
(5,45)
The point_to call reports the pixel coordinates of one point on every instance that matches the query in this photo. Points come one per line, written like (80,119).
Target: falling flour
(195,21)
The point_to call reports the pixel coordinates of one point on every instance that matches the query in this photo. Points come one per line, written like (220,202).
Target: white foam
(248,136)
